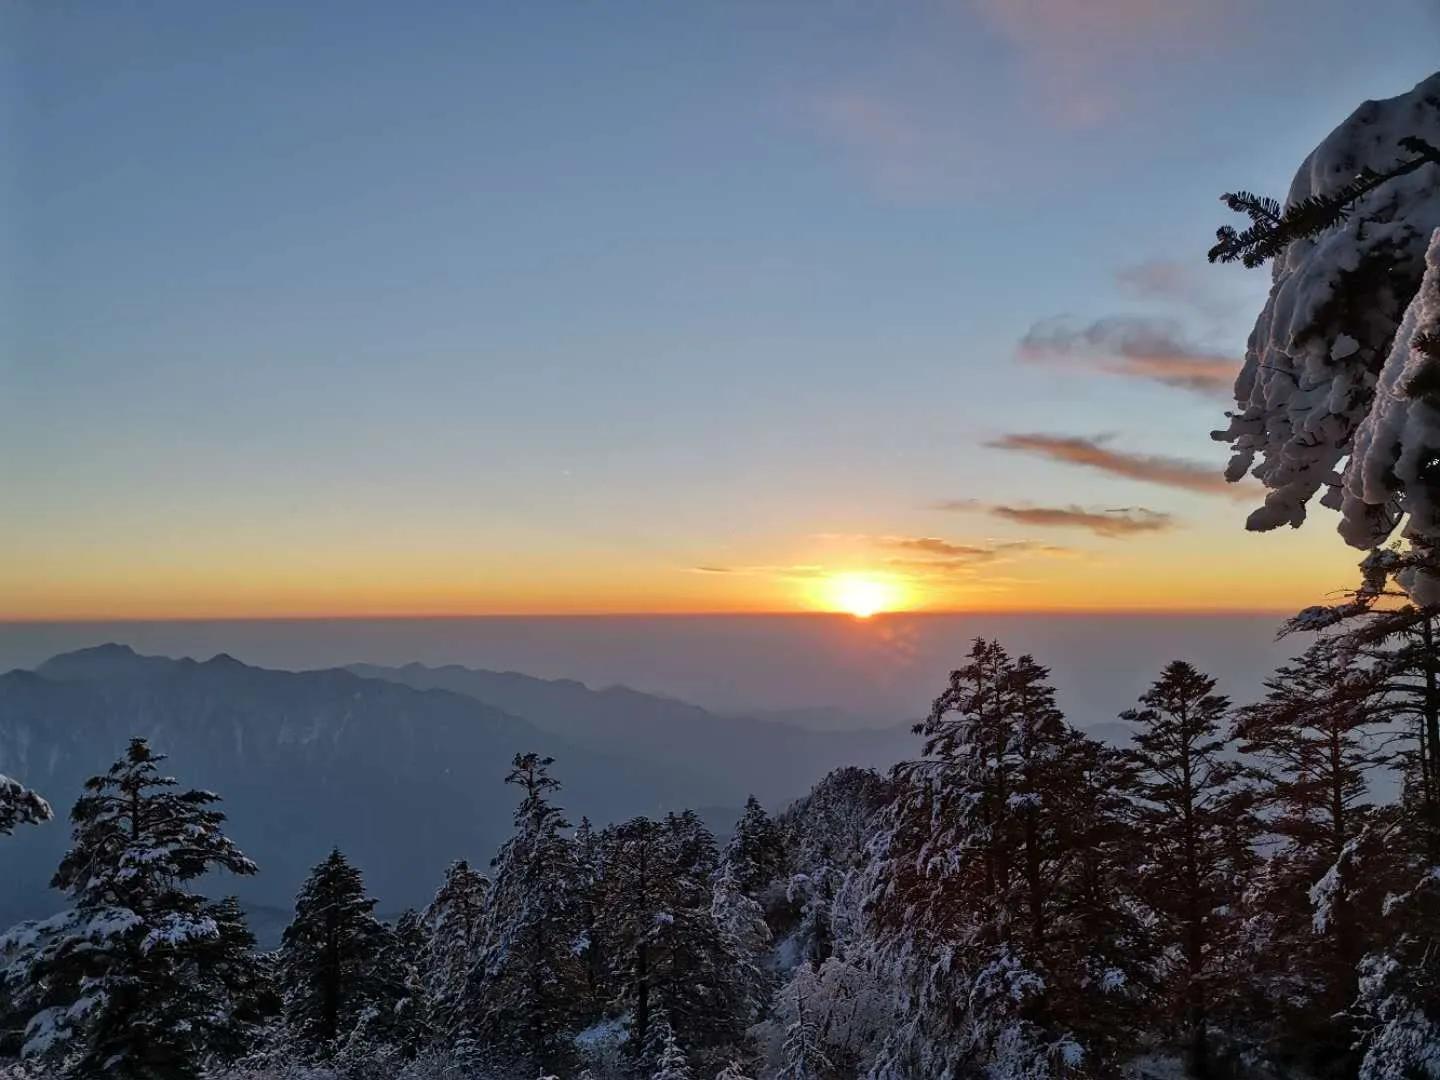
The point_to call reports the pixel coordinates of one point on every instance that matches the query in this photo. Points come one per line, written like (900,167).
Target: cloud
(1078,55)
(1141,348)
(1126,521)
(933,546)
(979,552)
(1149,468)
(948,559)
(1193,285)
(763,570)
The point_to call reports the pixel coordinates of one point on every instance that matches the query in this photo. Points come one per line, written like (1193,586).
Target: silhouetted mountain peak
(100,662)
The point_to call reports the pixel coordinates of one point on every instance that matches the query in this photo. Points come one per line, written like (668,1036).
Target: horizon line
(878,616)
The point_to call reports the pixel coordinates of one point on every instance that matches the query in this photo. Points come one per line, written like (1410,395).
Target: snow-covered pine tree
(454,924)
(1380,626)
(850,1004)
(335,960)
(824,838)
(523,998)
(132,981)
(733,1070)
(20,806)
(672,1063)
(410,1023)
(803,1053)
(741,922)
(1333,350)
(996,882)
(1314,739)
(636,901)
(1189,805)
(591,934)
(244,995)
(1398,1006)
(755,853)
(693,857)
(667,954)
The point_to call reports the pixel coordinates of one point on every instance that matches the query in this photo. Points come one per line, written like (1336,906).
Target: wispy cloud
(1142,348)
(929,556)
(1075,52)
(1120,522)
(1111,522)
(763,570)
(983,552)
(1092,453)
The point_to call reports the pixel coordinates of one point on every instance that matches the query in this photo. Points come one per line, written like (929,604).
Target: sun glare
(859,595)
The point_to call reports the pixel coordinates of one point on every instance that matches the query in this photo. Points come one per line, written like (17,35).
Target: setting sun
(860,596)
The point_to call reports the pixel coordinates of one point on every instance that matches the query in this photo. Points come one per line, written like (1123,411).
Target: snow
(1311,366)
(1393,468)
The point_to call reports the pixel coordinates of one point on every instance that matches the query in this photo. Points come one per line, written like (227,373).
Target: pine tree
(693,857)
(589,872)
(1314,741)
(672,1064)
(667,954)
(1188,805)
(334,957)
(1003,856)
(804,1055)
(20,806)
(454,924)
(523,998)
(824,838)
(410,1022)
(244,995)
(134,980)
(1273,227)
(754,855)
(746,937)
(1398,1008)
(1382,629)
(1378,625)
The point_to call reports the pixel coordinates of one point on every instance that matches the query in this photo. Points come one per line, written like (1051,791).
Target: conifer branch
(1273,227)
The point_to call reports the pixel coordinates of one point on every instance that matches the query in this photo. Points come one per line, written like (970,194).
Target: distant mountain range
(723,757)
(401,768)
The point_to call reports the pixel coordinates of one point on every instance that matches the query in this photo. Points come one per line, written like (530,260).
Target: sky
(379,309)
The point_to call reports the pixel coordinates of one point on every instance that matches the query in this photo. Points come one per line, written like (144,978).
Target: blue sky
(484,302)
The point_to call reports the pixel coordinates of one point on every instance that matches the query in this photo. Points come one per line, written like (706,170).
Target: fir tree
(1273,227)
(244,992)
(524,995)
(1399,641)
(1381,629)
(141,973)
(411,1020)
(1314,741)
(741,923)
(667,953)
(1188,804)
(20,806)
(754,855)
(803,1053)
(671,1063)
(1002,856)
(454,924)
(589,872)
(334,959)
(1398,1008)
